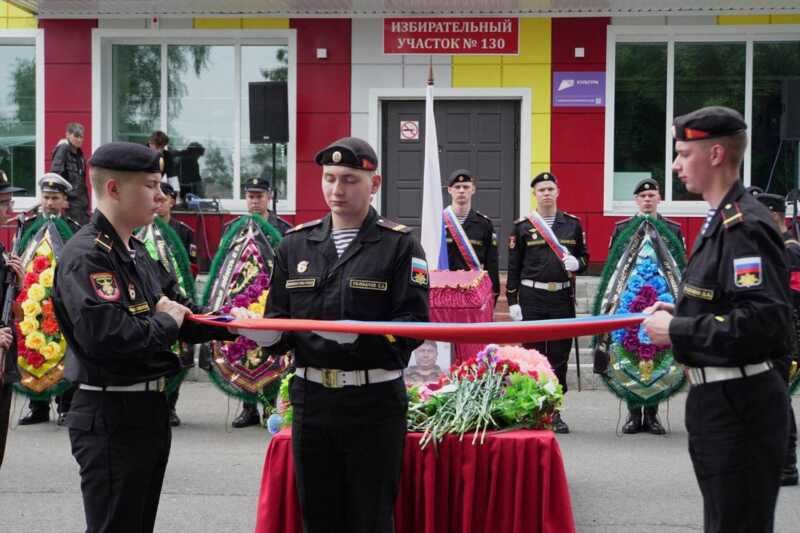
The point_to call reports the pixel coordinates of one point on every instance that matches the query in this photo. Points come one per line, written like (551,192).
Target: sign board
(409,130)
(455,36)
(579,89)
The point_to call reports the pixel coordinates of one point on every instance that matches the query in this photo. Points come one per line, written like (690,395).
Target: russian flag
(432,232)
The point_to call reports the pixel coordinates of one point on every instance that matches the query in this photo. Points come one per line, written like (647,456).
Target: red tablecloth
(513,483)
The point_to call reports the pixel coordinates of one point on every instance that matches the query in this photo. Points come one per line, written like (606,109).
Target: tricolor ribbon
(477,333)
(548,235)
(460,238)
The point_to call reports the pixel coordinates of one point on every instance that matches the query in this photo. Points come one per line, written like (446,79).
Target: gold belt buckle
(552,286)
(330,378)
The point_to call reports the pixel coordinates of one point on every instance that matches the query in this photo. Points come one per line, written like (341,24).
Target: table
(513,483)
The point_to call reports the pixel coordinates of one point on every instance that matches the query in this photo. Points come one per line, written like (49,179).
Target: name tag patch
(747,272)
(369,285)
(139,308)
(698,292)
(301,283)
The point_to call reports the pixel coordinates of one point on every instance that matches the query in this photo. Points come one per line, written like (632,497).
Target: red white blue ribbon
(548,235)
(460,238)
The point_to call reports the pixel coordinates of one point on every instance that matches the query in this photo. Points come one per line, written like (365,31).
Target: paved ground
(623,485)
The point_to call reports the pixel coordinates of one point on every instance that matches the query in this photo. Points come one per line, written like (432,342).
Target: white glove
(516,312)
(263,337)
(570,263)
(341,338)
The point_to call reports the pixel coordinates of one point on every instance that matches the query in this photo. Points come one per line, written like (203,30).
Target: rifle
(10,295)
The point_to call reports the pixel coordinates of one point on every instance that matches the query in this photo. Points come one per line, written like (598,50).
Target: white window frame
(103,39)
(747,35)
(33,37)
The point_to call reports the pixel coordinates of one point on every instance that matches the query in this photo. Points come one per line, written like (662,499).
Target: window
(20,110)
(193,85)
(658,72)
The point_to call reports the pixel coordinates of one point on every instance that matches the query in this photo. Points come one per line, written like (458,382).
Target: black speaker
(790,119)
(269,112)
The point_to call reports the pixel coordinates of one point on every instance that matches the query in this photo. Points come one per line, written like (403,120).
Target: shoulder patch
(520,220)
(568,215)
(305,225)
(394,226)
(184,224)
(104,242)
(482,215)
(731,215)
(791,242)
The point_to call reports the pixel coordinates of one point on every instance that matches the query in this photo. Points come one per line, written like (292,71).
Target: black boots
(39,413)
(559,426)
(634,423)
(643,419)
(248,417)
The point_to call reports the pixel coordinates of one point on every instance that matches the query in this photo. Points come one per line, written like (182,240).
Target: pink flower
(647,352)
(529,361)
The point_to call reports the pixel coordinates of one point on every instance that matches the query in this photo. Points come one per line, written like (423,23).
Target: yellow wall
(241,23)
(530,69)
(757,19)
(12,17)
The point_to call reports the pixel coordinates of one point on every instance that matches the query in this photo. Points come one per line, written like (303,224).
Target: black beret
(167,189)
(708,123)
(129,157)
(257,185)
(5,185)
(647,184)
(774,202)
(348,152)
(754,190)
(544,176)
(462,175)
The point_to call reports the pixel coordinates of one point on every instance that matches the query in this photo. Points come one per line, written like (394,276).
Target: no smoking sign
(409,130)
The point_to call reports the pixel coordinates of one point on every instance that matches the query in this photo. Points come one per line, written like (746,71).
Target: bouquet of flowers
(40,344)
(243,350)
(645,287)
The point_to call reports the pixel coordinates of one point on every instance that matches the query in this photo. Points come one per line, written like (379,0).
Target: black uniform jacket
(530,257)
(377,278)
(105,302)
(480,232)
(186,236)
(620,226)
(733,305)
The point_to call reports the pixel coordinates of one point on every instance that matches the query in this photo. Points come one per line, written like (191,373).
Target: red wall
(323,103)
(68,79)
(577,136)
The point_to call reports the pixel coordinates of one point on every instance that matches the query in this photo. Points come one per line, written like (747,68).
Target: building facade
(589,98)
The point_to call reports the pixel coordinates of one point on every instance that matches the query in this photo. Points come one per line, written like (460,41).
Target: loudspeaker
(269,112)
(790,118)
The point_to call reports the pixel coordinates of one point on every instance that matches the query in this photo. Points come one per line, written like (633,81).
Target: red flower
(47,306)
(35,359)
(49,326)
(40,264)
(30,279)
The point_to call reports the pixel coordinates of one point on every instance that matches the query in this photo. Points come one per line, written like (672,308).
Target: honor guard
(647,196)
(54,203)
(121,313)
(186,236)
(348,394)
(473,246)
(540,284)
(11,273)
(777,208)
(731,320)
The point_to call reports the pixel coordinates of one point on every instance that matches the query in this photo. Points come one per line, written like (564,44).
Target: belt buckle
(162,384)
(330,378)
(552,286)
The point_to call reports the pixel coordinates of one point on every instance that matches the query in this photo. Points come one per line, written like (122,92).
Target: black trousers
(737,441)
(545,307)
(348,459)
(121,441)
(6,393)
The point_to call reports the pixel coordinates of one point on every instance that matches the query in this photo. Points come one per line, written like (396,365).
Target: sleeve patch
(747,272)
(419,272)
(105,286)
